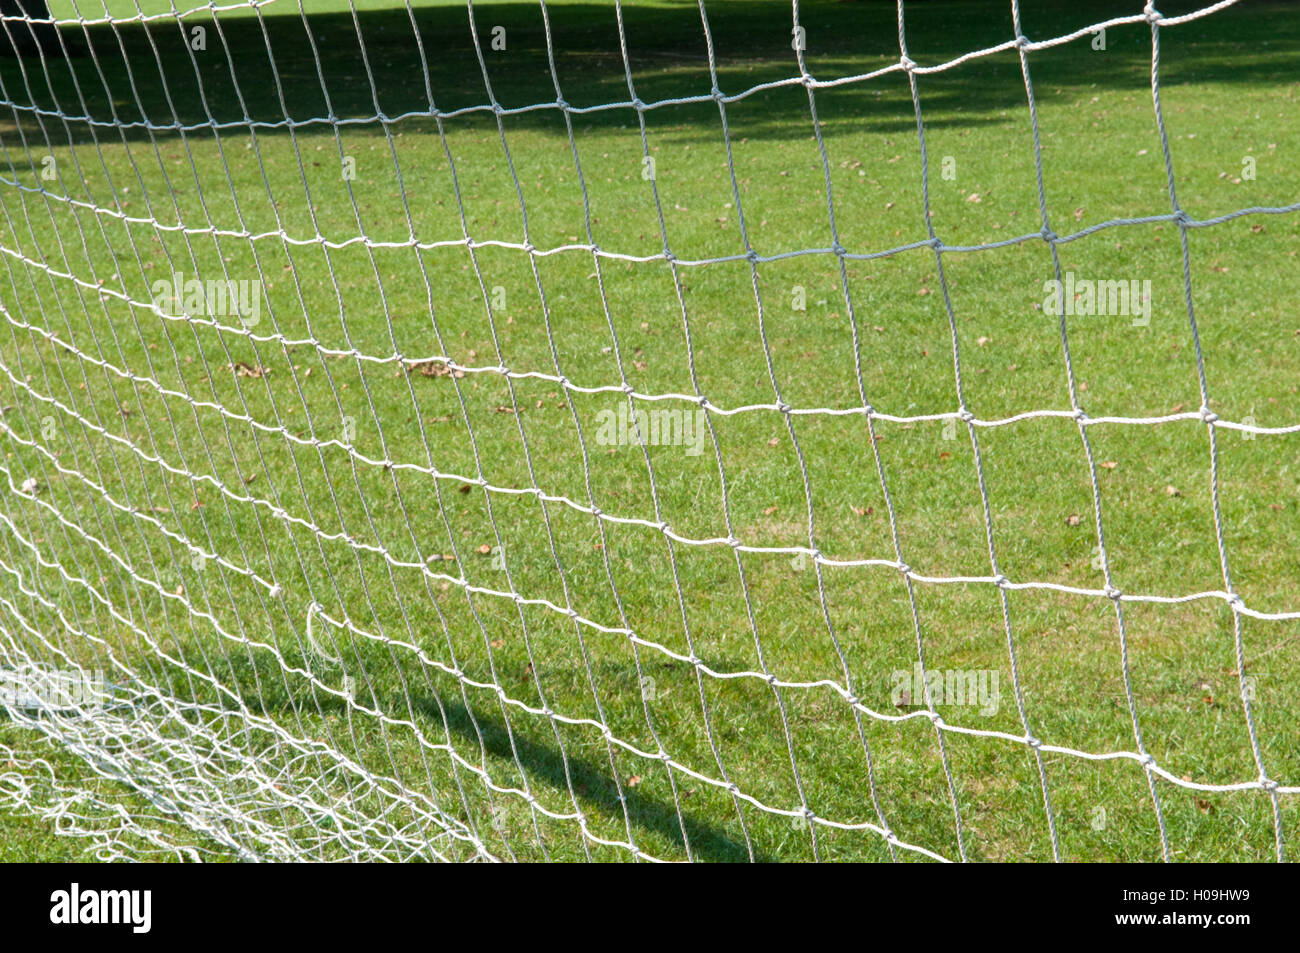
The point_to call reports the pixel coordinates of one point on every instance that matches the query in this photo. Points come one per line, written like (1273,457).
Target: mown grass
(1229,92)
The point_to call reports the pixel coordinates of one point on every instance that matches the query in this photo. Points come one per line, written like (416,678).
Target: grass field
(136,430)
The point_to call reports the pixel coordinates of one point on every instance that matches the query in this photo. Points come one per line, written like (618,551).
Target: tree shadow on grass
(235,68)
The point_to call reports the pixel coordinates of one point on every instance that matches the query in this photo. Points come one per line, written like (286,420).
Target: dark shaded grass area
(313,67)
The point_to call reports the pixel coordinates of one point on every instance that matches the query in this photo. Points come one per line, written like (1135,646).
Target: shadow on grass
(282,64)
(589,779)
(591,782)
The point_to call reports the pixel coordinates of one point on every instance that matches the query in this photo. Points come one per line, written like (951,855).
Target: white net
(344,519)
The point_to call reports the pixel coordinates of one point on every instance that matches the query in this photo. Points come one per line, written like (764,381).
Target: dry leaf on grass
(435,369)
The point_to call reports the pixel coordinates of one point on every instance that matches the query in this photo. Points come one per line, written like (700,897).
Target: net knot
(1208,415)
(907,63)
(905,569)
(1152,14)
(1001,581)
(1147,760)
(1114,593)
(733,542)
(1022,41)
(1033,742)
(276,591)
(703,402)
(1049,235)
(597,512)
(1268,784)
(965,415)
(717,94)
(752,256)
(1182,218)
(638,105)
(839,250)
(559,101)
(1235,602)
(783,407)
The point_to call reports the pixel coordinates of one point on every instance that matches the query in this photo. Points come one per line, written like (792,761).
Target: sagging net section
(343,519)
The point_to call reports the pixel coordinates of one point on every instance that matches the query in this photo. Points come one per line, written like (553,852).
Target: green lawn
(136,429)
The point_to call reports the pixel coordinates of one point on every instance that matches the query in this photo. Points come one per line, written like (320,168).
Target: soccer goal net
(733,431)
